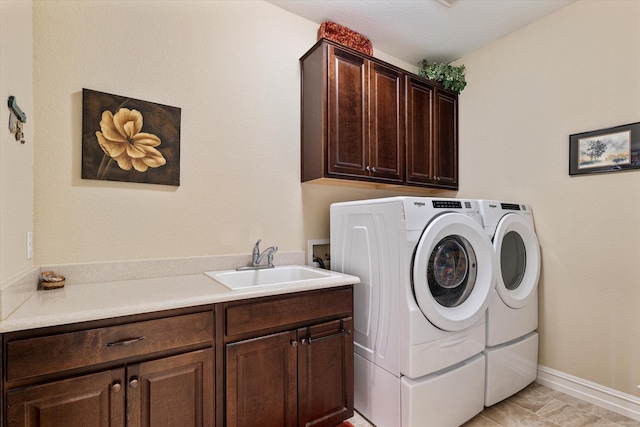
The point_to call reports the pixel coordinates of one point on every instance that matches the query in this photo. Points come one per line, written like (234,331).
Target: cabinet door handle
(294,343)
(373,169)
(367,168)
(310,340)
(115,387)
(133,382)
(125,341)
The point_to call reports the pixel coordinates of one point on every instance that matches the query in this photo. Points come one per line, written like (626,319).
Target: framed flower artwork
(126,139)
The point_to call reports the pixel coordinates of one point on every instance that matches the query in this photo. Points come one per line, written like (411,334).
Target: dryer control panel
(512,207)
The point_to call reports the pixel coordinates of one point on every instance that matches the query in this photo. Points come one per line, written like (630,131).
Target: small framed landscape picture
(606,150)
(126,139)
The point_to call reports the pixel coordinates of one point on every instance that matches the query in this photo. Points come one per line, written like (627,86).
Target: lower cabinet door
(325,373)
(261,381)
(170,392)
(91,400)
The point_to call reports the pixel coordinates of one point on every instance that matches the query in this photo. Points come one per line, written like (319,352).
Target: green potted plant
(451,77)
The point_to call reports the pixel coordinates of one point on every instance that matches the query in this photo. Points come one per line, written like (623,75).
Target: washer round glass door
(453,271)
(518,254)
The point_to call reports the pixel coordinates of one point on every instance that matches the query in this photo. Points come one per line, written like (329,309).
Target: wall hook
(20,115)
(16,118)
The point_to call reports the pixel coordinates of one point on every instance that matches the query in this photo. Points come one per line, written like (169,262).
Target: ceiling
(412,30)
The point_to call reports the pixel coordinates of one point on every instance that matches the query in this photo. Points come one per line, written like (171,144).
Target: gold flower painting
(125,139)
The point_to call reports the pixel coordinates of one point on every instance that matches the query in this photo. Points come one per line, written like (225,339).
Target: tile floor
(538,405)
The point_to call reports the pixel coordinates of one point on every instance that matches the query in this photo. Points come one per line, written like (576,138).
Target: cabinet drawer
(32,357)
(286,312)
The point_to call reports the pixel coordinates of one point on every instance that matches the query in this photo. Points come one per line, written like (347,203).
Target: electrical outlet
(29,244)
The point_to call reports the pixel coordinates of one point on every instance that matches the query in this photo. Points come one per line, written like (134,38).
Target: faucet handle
(270,256)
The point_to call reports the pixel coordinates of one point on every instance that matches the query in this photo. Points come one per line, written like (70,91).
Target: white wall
(16,159)
(574,71)
(232,67)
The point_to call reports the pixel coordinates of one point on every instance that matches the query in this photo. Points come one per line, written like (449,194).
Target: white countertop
(92,301)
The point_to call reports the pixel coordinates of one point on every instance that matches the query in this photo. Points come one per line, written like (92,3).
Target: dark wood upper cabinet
(347,114)
(368,121)
(420,131)
(386,127)
(446,146)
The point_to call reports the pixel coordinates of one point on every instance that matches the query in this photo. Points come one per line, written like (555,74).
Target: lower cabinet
(176,391)
(285,360)
(147,370)
(89,400)
(261,386)
(295,378)
(325,373)
(172,391)
(302,376)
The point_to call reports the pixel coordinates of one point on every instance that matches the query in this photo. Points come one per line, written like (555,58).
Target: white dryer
(512,316)
(427,269)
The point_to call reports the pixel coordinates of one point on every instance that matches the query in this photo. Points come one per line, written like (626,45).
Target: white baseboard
(614,400)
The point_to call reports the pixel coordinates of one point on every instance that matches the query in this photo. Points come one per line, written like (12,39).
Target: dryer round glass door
(513,260)
(453,271)
(518,253)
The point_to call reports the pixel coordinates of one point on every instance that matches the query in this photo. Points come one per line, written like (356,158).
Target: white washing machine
(427,269)
(512,316)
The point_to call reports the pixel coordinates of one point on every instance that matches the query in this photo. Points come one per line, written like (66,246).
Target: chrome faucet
(257,257)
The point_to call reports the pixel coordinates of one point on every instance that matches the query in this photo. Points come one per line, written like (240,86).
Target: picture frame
(130,140)
(612,149)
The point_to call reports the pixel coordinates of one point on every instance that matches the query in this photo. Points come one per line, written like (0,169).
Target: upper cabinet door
(347,131)
(446,148)
(420,131)
(432,135)
(386,123)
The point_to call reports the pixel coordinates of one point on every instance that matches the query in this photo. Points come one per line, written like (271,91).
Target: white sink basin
(279,275)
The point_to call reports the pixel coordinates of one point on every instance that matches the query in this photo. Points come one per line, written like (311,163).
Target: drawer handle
(309,340)
(125,341)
